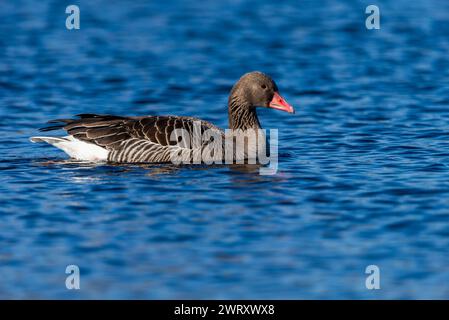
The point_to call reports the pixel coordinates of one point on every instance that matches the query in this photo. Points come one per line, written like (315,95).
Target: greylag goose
(149,139)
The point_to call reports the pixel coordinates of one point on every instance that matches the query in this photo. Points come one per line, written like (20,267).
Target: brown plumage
(148,138)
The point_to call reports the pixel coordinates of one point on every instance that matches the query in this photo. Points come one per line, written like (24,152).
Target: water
(364,163)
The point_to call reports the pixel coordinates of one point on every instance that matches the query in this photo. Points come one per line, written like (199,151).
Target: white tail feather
(75,148)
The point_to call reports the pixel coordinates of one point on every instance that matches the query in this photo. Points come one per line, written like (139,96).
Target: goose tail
(75,148)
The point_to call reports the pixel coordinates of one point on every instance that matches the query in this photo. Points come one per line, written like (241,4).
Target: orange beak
(279,103)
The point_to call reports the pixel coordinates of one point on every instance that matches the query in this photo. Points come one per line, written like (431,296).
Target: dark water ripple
(363,164)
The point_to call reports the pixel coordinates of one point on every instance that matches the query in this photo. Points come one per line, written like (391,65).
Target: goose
(149,139)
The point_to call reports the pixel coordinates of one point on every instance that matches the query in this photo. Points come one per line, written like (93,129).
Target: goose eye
(263,86)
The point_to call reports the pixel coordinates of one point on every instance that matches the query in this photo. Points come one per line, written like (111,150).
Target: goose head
(256,89)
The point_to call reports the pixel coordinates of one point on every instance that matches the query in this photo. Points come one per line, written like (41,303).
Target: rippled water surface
(363,166)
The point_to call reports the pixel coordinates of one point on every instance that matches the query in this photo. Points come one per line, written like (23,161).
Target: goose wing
(135,139)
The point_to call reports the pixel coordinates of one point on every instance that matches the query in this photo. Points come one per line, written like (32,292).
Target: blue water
(363,166)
